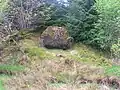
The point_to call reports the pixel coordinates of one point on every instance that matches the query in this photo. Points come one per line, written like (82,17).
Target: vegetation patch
(88,55)
(11,67)
(79,52)
(113,71)
(1,86)
(6,71)
(32,49)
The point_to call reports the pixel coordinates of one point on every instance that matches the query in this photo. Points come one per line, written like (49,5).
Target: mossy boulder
(56,37)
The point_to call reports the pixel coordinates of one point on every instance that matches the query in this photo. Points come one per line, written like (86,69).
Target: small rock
(74,52)
(60,55)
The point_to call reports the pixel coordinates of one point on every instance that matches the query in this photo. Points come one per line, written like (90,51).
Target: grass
(33,50)
(84,62)
(79,52)
(113,71)
(58,85)
(1,85)
(5,69)
(11,68)
(88,55)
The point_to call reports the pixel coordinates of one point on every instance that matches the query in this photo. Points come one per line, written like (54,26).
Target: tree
(108,24)
(80,18)
(21,13)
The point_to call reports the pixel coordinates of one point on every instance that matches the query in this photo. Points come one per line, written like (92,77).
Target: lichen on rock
(56,37)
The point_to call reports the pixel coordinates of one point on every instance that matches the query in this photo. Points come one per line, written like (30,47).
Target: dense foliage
(91,22)
(108,25)
(22,14)
(80,18)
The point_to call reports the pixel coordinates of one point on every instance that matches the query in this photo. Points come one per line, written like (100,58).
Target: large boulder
(56,37)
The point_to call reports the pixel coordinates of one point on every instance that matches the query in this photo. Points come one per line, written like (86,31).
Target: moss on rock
(56,37)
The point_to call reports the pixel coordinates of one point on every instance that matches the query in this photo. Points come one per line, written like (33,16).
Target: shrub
(107,27)
(80,18)
(95,23)
(116,50)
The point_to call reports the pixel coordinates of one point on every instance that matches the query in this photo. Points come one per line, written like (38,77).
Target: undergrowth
(32,49)
(113,71)
(88,55)
(11,68)
(35,51)
(1,86)
(79,52)
(6,71)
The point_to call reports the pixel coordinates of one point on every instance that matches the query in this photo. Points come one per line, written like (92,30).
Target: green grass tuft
(35,51)
(114,70)
(88,55)
(1,86)
(11,68)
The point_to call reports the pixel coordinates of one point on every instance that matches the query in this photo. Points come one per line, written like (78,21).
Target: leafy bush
(78,16)
(116,50)
(96,23)
(58,13)
(108,26)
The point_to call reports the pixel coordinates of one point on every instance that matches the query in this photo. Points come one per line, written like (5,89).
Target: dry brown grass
(59,70)
(56,75)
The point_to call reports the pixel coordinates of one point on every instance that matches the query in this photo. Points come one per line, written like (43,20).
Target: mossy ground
(79,52)
(56,69)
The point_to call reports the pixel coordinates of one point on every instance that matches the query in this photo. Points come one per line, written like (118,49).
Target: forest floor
(80,68)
